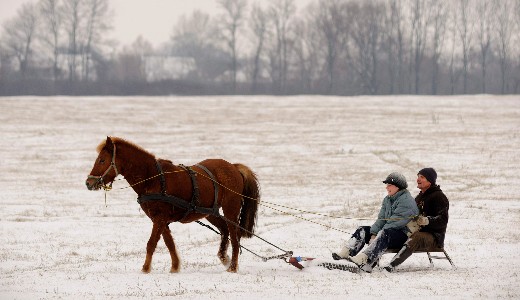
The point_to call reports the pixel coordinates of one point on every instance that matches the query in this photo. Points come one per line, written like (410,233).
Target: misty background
(331,47)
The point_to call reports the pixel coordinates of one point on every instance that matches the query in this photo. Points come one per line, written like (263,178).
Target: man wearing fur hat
(433,207)
(390,229)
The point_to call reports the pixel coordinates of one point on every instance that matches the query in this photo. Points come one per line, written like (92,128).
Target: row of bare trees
(62,37)
(340,47)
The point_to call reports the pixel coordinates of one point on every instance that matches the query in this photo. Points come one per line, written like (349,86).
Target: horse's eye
(102,161)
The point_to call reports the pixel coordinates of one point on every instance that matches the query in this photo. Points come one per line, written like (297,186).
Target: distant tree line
(336,47)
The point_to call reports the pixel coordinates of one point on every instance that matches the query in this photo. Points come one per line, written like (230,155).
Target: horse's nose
(89,186)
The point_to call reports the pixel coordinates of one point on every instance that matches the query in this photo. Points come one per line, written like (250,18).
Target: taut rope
(266,203)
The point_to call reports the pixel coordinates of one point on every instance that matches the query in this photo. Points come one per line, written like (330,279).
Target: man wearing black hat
(433,208)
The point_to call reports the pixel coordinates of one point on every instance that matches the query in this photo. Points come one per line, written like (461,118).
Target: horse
(164,190)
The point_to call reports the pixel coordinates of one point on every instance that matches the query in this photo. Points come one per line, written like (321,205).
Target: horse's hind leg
(168,240)
(224,238)
(235,247)
(157,230)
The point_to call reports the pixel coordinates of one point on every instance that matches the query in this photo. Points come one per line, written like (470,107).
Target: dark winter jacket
(396,211)
(434,205)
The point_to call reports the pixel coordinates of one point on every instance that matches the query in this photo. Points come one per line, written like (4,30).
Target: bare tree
(195,37)
(366,34)
(258,24)
(484,29)
(306,49)
(465,29)
(395,46)
(420,20)
(98,18)
(453,68)
(72,18)
(19,36)
(233,20)
(517,31)
(309,52)
(330,22)
(504,26)
(439,19)
(281,13)
(51,31)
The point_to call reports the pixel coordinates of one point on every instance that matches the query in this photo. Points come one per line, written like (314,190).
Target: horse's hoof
(232,269)
(224,259)
(175,270)
(146,270)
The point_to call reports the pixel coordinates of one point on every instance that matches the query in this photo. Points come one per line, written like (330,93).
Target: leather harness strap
(163,180)
(215,187)
(177,202)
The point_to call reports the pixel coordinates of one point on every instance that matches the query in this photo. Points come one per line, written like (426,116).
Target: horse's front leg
(168,240)
(157,230)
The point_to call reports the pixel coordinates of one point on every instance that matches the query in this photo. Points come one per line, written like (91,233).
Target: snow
(326,155)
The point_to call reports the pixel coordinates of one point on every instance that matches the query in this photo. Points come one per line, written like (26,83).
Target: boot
(360,259)
(342,254)
(401,256)
(389,268)
(368,267)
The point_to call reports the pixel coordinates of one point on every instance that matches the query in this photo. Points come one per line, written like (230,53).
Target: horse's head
(105,170)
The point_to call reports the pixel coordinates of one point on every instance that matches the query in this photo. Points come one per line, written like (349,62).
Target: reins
(144,180)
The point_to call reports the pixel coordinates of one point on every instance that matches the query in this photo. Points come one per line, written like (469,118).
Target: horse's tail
(251,198)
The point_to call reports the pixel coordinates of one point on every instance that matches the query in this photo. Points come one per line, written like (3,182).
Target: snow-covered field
(319,154)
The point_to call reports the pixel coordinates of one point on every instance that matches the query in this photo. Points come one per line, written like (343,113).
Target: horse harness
(193,205)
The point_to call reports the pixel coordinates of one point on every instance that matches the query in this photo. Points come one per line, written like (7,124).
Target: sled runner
(305,262)
(428,251)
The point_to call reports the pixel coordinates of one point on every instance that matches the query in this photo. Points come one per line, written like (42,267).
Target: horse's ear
(109,144)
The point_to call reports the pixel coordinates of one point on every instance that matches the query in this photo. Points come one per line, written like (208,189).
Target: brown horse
(158,181)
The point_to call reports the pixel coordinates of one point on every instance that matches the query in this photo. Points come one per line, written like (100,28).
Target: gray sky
(153,19)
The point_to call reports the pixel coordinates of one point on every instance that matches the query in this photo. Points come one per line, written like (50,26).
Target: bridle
(99,179)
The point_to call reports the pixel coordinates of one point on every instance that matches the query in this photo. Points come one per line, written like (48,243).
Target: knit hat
(396,179)
(429,174)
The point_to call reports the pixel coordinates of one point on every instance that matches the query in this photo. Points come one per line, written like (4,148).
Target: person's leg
(359,238)
(418,240)
(386,238)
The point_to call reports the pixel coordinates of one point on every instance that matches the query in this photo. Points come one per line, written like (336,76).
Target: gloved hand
(372,238)
(423,221)
(412,227)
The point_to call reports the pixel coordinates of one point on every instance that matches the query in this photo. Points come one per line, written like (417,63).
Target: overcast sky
(153,19)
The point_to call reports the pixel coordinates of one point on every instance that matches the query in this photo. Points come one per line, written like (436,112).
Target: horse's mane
(117,141)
